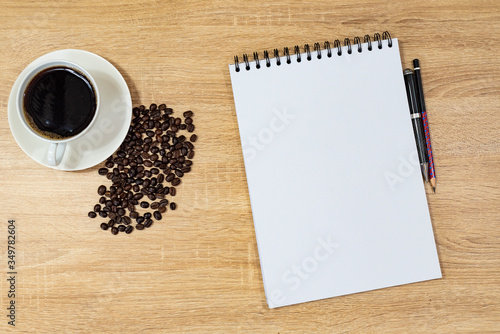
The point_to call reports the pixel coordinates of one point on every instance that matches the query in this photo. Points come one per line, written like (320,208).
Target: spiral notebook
(337,196)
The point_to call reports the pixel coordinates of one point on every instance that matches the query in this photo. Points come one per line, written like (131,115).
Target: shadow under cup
(58,102)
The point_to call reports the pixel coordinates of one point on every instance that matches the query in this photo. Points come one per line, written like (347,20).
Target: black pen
(421,104)
(416,120)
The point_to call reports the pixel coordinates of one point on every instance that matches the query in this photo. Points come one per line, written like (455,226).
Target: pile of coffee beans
(146,169)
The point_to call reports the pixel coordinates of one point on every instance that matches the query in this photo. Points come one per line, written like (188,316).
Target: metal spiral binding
(317,48)
(347,42)
(387,36)
(329,50)
(266,57)
(377,38)
(358,41)
(336,44)
(277,56)
(297,53)
(247,63)
(236,64)
(308,51)
(367,40)
(287,55)
(256,59)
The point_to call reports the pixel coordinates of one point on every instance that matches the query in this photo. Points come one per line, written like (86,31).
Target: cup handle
(56,153)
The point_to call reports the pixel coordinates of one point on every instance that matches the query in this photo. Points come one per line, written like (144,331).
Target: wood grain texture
(198,271)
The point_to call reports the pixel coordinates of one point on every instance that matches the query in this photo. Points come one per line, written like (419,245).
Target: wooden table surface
(198,270)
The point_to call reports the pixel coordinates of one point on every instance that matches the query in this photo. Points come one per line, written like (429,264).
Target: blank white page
(337,195)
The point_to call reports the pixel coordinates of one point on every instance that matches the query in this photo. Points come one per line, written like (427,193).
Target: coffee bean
(121,228)
(111,223)
(114,230)
(101,190)
(139,227)
(129,229)
(92,214)
(154,151)
(104,226)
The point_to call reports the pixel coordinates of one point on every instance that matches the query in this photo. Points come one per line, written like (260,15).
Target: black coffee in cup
(59,102)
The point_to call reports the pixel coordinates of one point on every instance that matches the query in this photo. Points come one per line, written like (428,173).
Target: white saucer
(110,127)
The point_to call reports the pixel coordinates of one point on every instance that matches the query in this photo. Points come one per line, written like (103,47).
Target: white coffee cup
(57,147)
